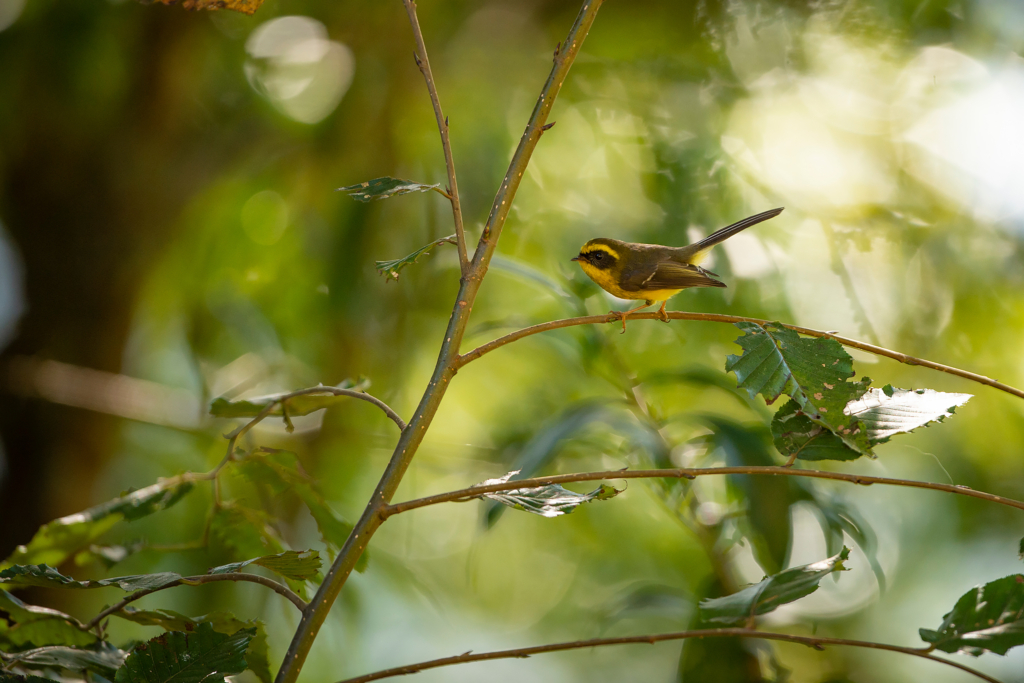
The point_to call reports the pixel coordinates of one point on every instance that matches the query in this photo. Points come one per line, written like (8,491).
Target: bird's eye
(598,256)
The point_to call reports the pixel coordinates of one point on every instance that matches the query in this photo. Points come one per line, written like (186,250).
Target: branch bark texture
(447,361)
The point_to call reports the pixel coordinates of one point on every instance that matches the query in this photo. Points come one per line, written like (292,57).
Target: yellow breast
(607,282)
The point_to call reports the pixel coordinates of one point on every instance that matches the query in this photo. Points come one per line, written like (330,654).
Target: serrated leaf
(103,659)
(34,626)
(257,654)
(297,406)
(884,413)
(202,656)
(390,269)
(551,500)
(889,411)
(769,594)
(987,618)
(811,371)
(247,532)
(47,576)
(382,188)
(291,564)
(767,500)
(281,471)
(58,540)
(794,433)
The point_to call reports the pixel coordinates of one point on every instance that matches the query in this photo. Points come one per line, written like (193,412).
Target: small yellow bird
(652,272)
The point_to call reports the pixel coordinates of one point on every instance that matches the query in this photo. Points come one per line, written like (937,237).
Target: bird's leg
(661,312)
(622,315)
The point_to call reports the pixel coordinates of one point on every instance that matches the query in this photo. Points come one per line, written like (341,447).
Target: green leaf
(108,555)
(794,432)
(811,371)
(767,500)
(103,659)
(551,500)
(720,660)
(390,269)
(987,618)
(291,564)
(382,188)
(202,656)
(45,575)
(58,540)
(766,596)
(256,656)
(836,517)
(246,533)
(34,626)
(297,406)
(884,413)
(282,472)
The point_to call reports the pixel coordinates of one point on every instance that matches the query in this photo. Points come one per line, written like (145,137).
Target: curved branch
(280,400)
(279,588)
(732,319)
(442,125)
(472,492)
(521,653)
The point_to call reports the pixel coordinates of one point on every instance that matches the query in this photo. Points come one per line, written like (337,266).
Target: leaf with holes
(390,269)
(551,500)
(202,656)
(45,575)
(769,594)
(58,540)
(291,564)
(811,371)
(256,656)
(884,413)
(382,188)
(987,618)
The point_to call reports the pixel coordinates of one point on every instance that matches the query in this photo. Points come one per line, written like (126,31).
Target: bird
(652,272)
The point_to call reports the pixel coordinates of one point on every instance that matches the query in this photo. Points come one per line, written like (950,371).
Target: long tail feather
(728,231)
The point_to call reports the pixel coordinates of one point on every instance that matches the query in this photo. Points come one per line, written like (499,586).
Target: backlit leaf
(382,188)
(769,594)
(291,564)
(34,626)
(551,500)
(390,268)
(202,656)
(58,540)
(987,618)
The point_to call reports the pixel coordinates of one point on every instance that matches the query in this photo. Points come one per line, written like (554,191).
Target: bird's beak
(575,258)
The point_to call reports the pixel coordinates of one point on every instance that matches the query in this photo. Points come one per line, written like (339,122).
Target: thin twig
(732,319)
(689,473)
(815,642)
(279,588)
(447,360)
(423,62)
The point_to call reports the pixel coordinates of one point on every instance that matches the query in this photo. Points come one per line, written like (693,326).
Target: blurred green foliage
(167,180)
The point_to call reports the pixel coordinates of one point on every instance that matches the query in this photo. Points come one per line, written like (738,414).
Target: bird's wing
(669,275)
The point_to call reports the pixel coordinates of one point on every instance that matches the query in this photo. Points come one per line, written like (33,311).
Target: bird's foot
(620,315)
(663,314)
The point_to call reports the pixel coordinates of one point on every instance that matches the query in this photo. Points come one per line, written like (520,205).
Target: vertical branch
(448,361)
(423,62)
